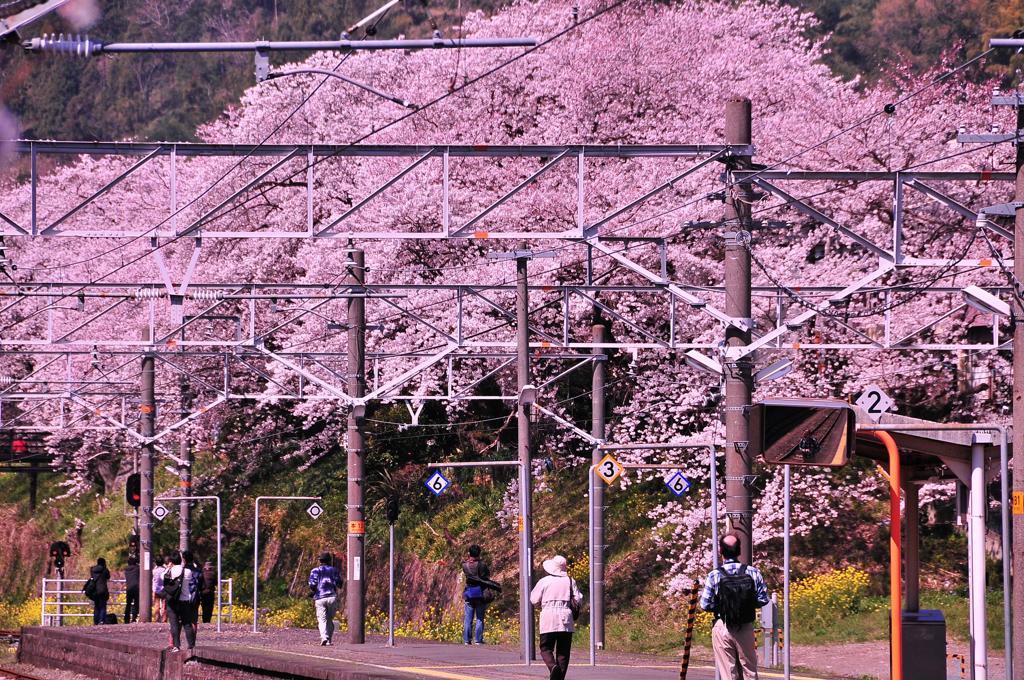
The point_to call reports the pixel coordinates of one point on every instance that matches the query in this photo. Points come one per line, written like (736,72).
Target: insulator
(206,294)
(149,293)
(7,380)
(74,45)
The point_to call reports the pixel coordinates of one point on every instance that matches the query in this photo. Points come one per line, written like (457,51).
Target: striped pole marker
(688,640)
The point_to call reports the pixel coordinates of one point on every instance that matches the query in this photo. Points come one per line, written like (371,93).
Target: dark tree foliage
(165,97)
(868,38)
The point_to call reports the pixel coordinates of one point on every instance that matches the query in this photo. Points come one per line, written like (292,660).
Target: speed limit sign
(677,483)
(437,483)
(609,469)
(875,402)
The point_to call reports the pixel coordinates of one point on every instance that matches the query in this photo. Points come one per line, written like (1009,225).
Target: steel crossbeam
(234,338)
(276,173)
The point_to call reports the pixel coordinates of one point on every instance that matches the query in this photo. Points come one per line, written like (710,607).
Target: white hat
(556,566)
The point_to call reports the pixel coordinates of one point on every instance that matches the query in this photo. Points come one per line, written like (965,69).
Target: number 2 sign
(875,402)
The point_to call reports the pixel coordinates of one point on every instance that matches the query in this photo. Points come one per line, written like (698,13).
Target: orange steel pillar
(895,557)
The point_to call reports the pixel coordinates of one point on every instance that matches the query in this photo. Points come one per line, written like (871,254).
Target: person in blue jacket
(324,580)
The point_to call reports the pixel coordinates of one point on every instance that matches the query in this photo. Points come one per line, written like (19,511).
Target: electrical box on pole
(818,432)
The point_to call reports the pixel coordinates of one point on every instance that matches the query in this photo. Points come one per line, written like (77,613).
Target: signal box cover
(803,432)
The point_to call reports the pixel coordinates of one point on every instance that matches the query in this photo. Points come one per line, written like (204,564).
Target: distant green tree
(165,97)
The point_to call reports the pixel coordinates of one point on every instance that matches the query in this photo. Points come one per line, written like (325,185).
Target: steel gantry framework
(232,328)
(71,349)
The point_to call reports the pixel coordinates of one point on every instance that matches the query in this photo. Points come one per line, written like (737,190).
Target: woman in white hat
(553,594)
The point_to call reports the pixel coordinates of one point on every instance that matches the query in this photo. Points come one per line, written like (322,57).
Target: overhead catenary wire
(627,226)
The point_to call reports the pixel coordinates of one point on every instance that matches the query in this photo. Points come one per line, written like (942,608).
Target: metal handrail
(116,599)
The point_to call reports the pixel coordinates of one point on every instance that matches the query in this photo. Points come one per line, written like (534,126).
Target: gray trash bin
(924,645)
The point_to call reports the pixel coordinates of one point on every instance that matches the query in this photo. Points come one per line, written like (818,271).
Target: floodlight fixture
(774,371)
(702,362)
(984,301)
(528,395)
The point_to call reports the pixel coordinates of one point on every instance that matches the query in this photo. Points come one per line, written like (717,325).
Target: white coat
(552,595)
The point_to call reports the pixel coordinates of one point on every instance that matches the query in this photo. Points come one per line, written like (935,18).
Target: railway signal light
(393,509)
(133,490)
(803,432)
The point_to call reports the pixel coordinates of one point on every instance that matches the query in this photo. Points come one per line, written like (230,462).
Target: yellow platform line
(443,671)
(435,673)
(401,669)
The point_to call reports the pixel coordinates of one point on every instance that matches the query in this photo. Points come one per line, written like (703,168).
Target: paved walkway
(297,652)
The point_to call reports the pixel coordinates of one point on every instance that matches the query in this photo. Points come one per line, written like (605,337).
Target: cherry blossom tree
(639,74)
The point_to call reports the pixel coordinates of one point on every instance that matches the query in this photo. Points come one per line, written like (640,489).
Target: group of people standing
(733,593)
(181,588)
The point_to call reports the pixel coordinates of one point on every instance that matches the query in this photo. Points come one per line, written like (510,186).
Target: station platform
(141,652)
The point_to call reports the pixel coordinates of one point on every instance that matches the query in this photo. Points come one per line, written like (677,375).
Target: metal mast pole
(597,498)
(356,589)
(1017,561)
(525,471)
(738,381)
(148,409)
(185,471)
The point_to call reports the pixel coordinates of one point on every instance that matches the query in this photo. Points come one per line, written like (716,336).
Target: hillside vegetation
(617,80)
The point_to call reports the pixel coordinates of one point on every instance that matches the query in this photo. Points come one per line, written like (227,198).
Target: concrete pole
(787,515)
(912,545)
(525,472)
(738,381)
(1018,416)
(185,471)
(391,585)
(597,430)
(148,419)
(356,586)
(976,530)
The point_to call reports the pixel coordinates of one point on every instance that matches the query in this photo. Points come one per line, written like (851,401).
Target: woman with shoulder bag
(98,576)
(478,592)
(560,601)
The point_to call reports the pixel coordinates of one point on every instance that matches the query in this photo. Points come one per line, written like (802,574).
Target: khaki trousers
(735,651)
(326,608)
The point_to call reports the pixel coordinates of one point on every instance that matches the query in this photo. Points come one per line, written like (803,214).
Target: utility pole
(1015,631)
(185,471)
(1017,561)
(525,463)
(738,381)
(597,423)
(148,419)
(356,588)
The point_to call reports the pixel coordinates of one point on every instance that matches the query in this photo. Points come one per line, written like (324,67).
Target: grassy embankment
(829,608)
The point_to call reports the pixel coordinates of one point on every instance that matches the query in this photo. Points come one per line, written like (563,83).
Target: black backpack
(737,597)
(172,586)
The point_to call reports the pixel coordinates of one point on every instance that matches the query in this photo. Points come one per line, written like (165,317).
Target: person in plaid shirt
(732,593)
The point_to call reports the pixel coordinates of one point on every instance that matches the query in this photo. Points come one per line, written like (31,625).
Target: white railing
(60,595)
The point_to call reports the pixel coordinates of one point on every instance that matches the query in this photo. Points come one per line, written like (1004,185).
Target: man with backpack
(323,588)
(181,589)
(733,593)
(96,590)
